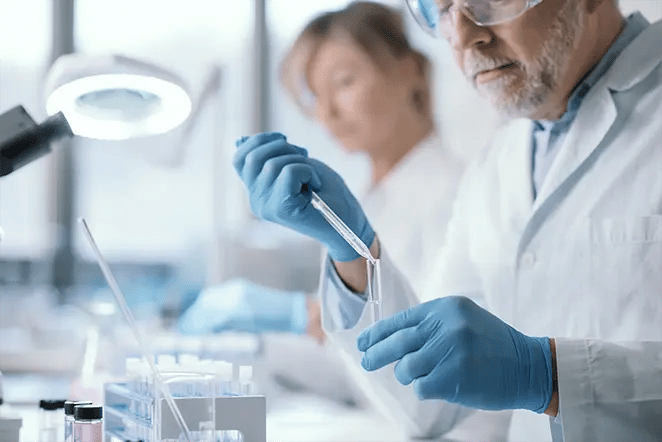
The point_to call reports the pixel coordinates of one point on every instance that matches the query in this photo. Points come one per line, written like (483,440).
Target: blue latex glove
(280,176)
(452,349)
(241,305)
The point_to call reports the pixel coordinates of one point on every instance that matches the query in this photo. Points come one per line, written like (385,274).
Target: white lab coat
(583,263)
(412,222)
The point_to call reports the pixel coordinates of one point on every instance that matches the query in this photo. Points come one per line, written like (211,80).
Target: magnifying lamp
(113,97)
(108,97)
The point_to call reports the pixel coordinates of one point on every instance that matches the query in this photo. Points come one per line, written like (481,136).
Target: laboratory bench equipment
(69,418)
(291,417)
(51,425)
(10,424)
(10,421)
(134,415)
(214,398)
(88,423)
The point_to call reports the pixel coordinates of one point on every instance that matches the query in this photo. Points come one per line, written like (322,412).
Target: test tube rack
(154,422)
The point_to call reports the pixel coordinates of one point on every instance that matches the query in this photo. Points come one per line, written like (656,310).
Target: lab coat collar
(637,60)
(599,110)
(594,119)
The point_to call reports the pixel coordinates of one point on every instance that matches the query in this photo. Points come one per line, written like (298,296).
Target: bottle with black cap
(69,418)
(50,427)
(88,423)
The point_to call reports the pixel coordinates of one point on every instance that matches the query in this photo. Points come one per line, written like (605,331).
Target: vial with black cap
(69,418)
(88,423)
(50,420)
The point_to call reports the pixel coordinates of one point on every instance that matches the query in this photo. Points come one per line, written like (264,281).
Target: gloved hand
(452,349)
(280,176)
(241,305)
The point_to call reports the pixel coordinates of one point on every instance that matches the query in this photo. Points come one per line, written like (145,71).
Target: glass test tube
(121,301)
(375,290)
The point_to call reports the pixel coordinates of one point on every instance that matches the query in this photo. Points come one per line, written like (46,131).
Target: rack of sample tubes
(215,398)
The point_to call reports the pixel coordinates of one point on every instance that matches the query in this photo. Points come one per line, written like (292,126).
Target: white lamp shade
(113,97)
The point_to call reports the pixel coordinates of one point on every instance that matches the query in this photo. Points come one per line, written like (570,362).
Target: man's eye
(444,6)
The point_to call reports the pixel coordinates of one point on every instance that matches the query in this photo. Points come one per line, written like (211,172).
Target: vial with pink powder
(88,423)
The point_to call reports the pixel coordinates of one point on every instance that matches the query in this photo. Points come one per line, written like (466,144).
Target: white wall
(651,9)
(139,202)
(25,31)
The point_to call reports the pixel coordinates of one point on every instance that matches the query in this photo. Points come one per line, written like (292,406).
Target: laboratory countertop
(283,426)
(295,418)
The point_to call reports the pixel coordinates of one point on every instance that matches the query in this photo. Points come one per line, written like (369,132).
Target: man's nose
(464,34)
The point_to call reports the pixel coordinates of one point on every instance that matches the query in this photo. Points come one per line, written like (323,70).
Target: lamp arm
(210,87)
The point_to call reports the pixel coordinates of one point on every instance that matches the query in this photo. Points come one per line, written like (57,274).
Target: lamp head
(109,97)
(113,97)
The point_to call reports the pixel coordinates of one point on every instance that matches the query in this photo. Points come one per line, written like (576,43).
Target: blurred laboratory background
(167,210)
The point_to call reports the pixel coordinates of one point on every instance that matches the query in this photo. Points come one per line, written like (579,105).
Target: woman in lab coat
(354,71)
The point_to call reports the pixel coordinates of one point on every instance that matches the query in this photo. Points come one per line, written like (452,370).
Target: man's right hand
(279,178)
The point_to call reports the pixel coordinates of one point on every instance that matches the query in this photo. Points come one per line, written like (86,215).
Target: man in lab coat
(557,231)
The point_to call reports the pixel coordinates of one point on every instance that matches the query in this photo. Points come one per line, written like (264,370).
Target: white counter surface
(291,418)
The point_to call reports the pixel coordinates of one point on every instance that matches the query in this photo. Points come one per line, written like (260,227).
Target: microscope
(23,141)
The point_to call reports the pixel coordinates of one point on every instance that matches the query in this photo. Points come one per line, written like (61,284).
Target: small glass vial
(50,425)
(88,423)
(69,418)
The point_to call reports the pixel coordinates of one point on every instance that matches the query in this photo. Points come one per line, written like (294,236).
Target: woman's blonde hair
(372,26)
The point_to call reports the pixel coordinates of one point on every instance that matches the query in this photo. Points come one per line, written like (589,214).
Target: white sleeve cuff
(345,307)
(574,381)
(609,390)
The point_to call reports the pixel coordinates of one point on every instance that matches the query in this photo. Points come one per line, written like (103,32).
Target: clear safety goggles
(436,16)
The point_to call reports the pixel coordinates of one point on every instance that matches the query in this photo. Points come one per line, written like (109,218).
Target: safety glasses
(437,16)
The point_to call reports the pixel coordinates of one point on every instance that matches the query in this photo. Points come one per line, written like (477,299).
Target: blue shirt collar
(634,25)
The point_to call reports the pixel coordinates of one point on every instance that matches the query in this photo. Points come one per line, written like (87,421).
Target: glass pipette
(373,266)
(342,228)
(121,301)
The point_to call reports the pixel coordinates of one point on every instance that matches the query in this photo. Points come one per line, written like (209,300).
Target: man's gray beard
(543,74)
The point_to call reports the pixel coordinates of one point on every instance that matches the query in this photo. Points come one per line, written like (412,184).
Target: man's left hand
(452,349)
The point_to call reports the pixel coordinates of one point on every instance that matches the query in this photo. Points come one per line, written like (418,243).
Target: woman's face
(361,104)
